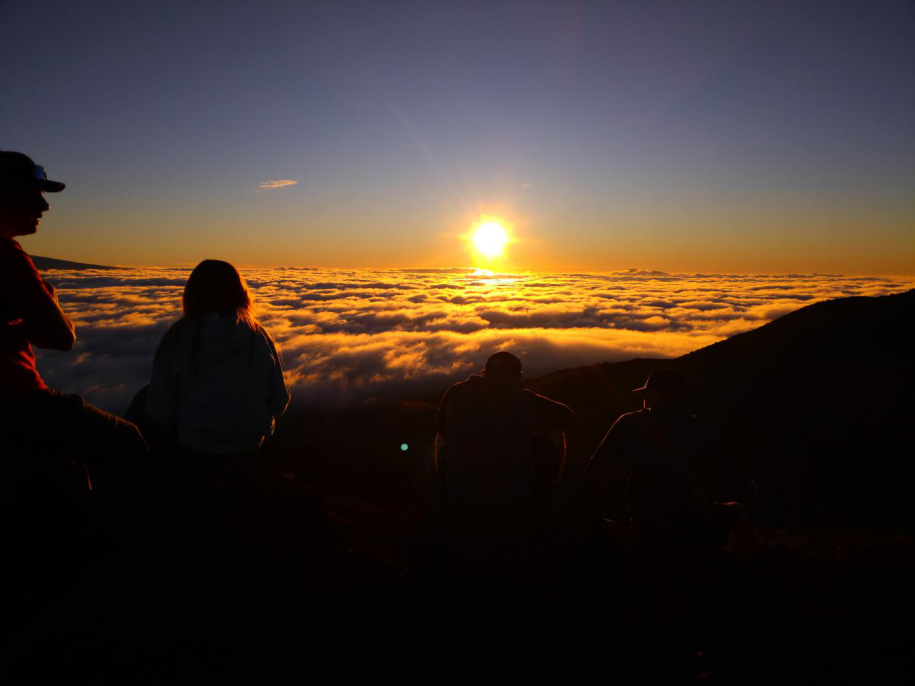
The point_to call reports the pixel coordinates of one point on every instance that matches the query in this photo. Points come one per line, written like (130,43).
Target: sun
(490,238)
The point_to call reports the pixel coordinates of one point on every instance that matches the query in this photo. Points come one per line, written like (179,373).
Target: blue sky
(704,136)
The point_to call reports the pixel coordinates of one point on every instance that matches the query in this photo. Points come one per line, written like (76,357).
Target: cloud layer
(348,336)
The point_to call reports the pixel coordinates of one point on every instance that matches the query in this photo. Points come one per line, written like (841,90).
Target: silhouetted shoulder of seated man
(662,475)
(493,448)
(35,419)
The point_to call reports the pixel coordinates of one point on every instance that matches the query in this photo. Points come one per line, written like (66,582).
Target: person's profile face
(21,212)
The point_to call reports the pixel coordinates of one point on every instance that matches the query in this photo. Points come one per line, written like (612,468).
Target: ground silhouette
(333,563)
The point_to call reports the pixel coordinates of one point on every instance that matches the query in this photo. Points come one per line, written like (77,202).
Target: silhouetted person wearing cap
(669,469)
(40,422)
(490,446)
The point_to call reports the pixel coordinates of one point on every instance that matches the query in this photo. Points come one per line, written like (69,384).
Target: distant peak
(43,263)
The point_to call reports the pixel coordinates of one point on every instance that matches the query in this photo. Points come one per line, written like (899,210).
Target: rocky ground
(332,564)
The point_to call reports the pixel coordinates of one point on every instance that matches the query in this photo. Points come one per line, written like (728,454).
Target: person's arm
(441,431)
(552,415)
(45,324)
(278,395)
(605,478)
(441,416)
(162,400)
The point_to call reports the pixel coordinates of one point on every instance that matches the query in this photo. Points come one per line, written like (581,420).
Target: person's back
(489,428)
(671,461)
(217,376)
(227,383)
(487,423)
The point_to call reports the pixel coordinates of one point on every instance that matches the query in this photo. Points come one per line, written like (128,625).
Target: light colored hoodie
(221,392)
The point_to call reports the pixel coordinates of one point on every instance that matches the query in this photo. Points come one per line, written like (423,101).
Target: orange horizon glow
(536,244)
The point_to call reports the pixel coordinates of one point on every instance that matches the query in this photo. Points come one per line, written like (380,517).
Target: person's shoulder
(13,255)
(11,245)
(266,341)
(635,416)
(537,396)
(552,410)
(460,389)
(466,384)
(631,419)
(169,340)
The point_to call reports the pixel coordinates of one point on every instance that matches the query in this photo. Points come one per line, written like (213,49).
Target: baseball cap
(18,171)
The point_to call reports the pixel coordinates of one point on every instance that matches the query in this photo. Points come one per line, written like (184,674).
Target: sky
(718,137)
(353,336)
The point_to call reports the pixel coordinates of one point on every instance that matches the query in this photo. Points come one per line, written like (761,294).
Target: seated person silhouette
(217,382)
(490,450)
(669,470)
(35,420)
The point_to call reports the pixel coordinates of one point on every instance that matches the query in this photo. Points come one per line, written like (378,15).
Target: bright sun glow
(490,238)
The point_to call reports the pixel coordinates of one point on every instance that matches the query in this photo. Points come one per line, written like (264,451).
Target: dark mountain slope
(817,406)
(43,263)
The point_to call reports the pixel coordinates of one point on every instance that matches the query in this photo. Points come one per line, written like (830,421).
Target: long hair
(214,286)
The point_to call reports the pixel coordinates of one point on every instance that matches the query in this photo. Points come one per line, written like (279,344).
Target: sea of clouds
(348,336)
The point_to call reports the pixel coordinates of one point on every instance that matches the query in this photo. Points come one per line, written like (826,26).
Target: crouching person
(499,449)
(660,477)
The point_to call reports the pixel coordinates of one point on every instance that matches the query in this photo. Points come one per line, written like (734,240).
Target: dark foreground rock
(309,577)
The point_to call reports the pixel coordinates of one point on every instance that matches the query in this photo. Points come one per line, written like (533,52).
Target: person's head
(22,187)
(665,388)
(216,286)
(503,366)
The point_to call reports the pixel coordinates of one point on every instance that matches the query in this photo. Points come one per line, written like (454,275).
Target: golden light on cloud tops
(348,335)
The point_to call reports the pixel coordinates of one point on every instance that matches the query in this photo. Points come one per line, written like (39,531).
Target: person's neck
(9,232)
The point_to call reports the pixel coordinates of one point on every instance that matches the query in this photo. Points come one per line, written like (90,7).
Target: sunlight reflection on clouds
(351,335)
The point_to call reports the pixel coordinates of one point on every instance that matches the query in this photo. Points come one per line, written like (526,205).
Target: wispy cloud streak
(276,183)
(352,335)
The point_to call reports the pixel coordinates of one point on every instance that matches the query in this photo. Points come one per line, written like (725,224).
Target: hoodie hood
(223,332)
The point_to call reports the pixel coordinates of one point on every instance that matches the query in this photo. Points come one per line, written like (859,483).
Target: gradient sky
(730,136)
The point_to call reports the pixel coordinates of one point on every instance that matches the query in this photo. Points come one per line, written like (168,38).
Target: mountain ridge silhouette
(42,263)
(815,405)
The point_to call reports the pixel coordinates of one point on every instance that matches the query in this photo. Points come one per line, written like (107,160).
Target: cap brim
(641,391)
(52,186)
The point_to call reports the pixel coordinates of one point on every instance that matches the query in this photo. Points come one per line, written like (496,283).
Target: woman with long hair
(217,376)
